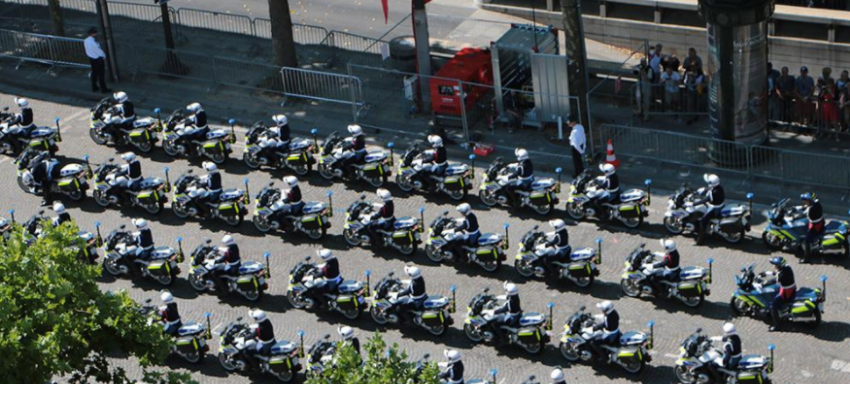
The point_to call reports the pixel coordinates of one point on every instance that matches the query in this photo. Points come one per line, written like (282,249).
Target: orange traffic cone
(611,158)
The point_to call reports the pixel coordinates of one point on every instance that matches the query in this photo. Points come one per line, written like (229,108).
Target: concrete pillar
(550,5)
(603,10)
(831,34)
(423,52)
(658,15)
(771,28)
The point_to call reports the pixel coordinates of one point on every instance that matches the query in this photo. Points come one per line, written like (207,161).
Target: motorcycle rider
(133,170)
(170,316)
(24,118)
(62,215)
(787,289)
(557,376)
(383,218)
(44,170)
(212,183)
(348,339)
(609,323)
(559,241)
(440,161)
(354,150)
(228,261)
(329,274)
(263,331)
(278,138)
(524,175)
(814,213)
(124,109)
(508,314)
(195,127)
(666,269)
(609,186)
(466,232)
(143,246)
(714,198)
(452,369)
(732,349)
(411,298)
(293,202)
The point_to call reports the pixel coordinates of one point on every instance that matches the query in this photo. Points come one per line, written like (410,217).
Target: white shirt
(578,139)
(93,49)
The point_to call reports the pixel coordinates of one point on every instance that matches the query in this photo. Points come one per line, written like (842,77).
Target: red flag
(386,11)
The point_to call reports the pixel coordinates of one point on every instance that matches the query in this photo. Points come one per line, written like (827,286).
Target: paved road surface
(820,356)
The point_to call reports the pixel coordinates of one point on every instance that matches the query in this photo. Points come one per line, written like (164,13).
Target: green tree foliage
(382,364)
(56,322)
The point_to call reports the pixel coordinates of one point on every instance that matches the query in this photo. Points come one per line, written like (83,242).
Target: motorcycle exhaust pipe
(648,184)
(368,286)
(247,190)
(599,253)
(551,307)
(710,269)
(301,346)
(421,219)
(209,327)
(330,203)
(651,326)
(453,307)
(268,265)
(507,244)
(180,255)
(167,180)
(58,131)
(770,363)
(391,145)
(232,123)
(315,133)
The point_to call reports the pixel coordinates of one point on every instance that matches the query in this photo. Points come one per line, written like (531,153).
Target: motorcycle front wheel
(570,353)
(630,288)
(251,161)
(171,148)
(433,253)
(682,375)
(738,307)
(471,334)
(295,301)
(197,283)
(489,199)
(325,171)
(674,225)
(403,183)
(97,137)
(226,363)
(262,224)
(110,267)
(379,318)
(351,237)
(575,211)
(179,210)
(525,270)
(100,198)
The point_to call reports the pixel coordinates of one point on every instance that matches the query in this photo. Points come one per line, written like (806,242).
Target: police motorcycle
(161,265)
(320,355)
(756,292)
(190,343)
(299,157)
(404,236)
(72,182)
(375,168)
(455,181)
(691,286)
(215,146)
(532,334)
(282,362)
(732,225)
(32,229)
(435,315)
(143,135)
(580,268)
(14,140)
(542,198)
(189,200)
(787,228)
(698,352)
(489,253)
(632,209)
(349,299)
(631,353)
(313,221)
(250,281)
(109,189)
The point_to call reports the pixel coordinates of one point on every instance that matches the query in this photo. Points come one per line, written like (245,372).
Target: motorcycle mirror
(535,227)
(190,172)
(148,300)
(157,110)
(743,269)
(486,290)
(363,197)
(445,213)
(699,330)
(122,227)
(642,245)
(308,258)
(531,378)
(41,212)
(327,337)
(426,356)
(239,319)
(111,160)
(271,184)
(582,308)
(5,108)
(391,274)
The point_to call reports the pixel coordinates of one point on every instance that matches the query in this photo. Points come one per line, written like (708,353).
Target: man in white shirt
(578,142)
(97,58)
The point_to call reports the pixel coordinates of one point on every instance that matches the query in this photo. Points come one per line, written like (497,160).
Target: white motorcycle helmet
(129,156)
(452,356)
(280,120)
(258,315)
(521,154)
(355,130)
(291,181)
(668,245)
(166,297)
(346,332)
(58,207)
(412,272)
(325,254)
(210,166)
(435,140)
(557,375)
(711,179)
(22,102)
(120,97)
(511,289)
(385,194)
(463,208)
(729,329)
(607,169)
(228,240)
(558,225)
(194,108)
(140,223)
(606,306)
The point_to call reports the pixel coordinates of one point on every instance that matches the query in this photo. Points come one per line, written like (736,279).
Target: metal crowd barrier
(323,86)
(43,49)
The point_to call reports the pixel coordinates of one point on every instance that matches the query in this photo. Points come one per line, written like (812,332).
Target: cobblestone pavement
(820,356)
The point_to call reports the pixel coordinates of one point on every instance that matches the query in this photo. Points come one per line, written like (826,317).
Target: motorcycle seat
(190,329)
(250,267)
(583,253)
(232,194)
(404,223)
(489,239)
(542,184)
(632,338)
(283,347)
(313,207)
(531,318)
(436,301)
(349,286)
(632,195)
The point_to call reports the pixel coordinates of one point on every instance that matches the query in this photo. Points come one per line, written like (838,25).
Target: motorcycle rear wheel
(635,367)
(155,208)
(165,280)
(144,147)
(439,330)
(77,195)
(285,376)
(694,302)
(195,358)
(22,185)
(317,234)
(458,195)
(234,220)
(772,241)
(408,250)
(585,282)
(303,169)
(569,352)
(633,223)
(376,182)
(736,237)
(253,295)
(351,314)
(536,349)
(492,266)
(543,210)
(218,158)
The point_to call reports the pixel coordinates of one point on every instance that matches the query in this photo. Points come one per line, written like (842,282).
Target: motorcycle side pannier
(187,345)
(690,288)
(750,377)
(453,183)
(731,225)
(433,318)
(529,336)
(373,170)
(346,302)
(247,284)
(403,237)
(540,198)
(629,211)
(580,270)
(311,222)
(803,309)
(280,364)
